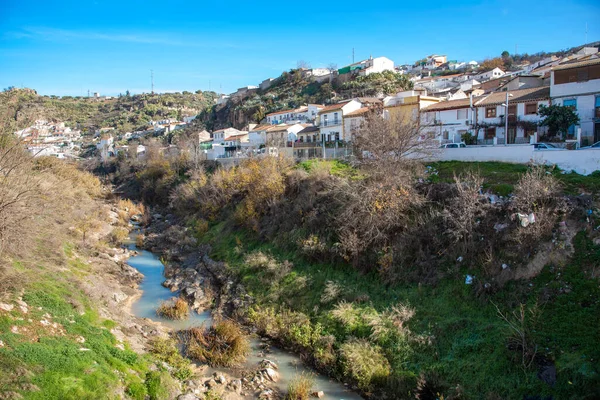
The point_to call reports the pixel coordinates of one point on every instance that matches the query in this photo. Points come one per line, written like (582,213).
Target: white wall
(581,161)
(574,88)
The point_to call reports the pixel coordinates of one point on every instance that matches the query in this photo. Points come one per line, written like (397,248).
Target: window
(490,112)
(335,117)
(570,103)
(531,108)
(461,114)
(490,133)
(597,107)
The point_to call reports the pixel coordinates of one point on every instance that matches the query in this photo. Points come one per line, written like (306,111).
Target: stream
(153,293)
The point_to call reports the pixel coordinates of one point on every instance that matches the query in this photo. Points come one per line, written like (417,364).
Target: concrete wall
(581,161)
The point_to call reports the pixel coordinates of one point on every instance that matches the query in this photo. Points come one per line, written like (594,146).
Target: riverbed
(153,293)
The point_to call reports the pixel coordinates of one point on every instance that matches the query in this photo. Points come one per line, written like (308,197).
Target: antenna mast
(353,55)
(152,80)
(586,32)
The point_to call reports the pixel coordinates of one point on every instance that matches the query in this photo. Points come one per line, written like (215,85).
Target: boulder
(271,374)
(318,394)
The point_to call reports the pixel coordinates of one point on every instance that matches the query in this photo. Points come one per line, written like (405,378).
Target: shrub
(331,292)
(119,235)
(175,308)
(536,189)
(364,363)
(166,350)
(300,387)
(224,344)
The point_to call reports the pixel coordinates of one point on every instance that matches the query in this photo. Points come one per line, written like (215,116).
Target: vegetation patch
(300,387)
(223,344)
(175,308)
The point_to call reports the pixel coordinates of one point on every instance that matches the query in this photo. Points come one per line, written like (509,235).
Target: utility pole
(353,55)
(88,92)
(152,80)
(586,32)
(516,49)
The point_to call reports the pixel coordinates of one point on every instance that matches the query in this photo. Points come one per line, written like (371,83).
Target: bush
(300,387)
(166,350)
(364,363)
(119,235)
(224,344)
(175,308)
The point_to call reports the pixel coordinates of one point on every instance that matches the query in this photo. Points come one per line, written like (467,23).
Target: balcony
(330,123)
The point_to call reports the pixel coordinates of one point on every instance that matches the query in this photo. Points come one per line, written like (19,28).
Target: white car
(453,146)
(594,146)
(546,146)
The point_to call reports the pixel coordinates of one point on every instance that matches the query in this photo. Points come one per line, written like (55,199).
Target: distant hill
(124,113)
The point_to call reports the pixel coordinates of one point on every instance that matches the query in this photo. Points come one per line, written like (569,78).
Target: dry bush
(364,363)
(537,193)
(522,323)
(224,344)
(391,322)
(536,189)
(465,209)
(372,211)
(346,314)
(268,264)
(300,387)
(176,309)
(331,292)
(119,235)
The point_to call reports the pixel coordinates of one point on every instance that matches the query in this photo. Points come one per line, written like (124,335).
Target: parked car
(546,146)
(594,146)
(453,146)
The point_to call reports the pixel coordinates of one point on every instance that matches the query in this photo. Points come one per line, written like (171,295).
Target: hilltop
(125,113)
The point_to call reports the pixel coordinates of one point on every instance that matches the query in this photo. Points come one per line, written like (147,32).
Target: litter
(525,219)
(469,280)
(459,259)
(504,266)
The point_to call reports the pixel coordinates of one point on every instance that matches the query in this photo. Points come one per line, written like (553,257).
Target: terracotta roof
(262,127)
(233,137)
(518,96)
(449,105)
(576,64)
(309,129)
(358,113)
(295,110)
(333,107)
(495,98)
(277,128)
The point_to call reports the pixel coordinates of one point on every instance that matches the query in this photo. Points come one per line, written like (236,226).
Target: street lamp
(506,117)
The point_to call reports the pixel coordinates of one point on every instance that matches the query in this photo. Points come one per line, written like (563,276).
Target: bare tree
(385,142)
(302,64)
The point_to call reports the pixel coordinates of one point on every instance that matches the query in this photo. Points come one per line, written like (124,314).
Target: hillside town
(457,104)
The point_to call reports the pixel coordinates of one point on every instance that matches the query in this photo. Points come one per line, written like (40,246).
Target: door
(597,132)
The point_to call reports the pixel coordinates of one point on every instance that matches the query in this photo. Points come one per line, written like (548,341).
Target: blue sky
(68,47)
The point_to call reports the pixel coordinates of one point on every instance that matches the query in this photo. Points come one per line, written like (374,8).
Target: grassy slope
(59,369)
(469,346)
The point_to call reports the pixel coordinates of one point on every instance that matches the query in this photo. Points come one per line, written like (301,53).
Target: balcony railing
(331,123)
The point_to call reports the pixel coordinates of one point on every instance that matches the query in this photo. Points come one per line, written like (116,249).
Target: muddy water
(153,293)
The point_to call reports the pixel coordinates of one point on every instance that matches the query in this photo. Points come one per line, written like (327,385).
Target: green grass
(42,362)
(500,178)
(469,339)
(336,167)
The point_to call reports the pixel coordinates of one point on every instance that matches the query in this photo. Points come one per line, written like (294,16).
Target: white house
(353,121)
(220,135)
(367,67)
(483,117)
(257,136)
(302,114)
(486,76)
(280,135)
(331,120)
(578,85)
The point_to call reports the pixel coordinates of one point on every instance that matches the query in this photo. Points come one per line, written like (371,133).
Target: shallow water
(153,293)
